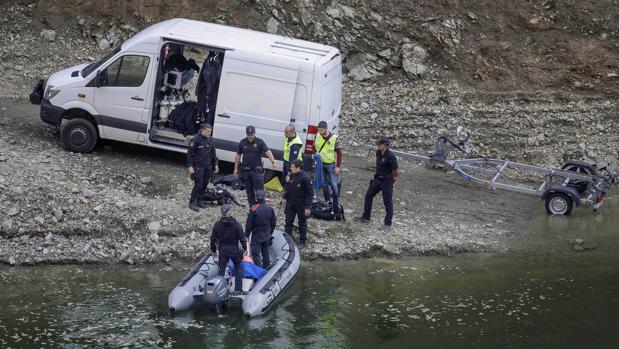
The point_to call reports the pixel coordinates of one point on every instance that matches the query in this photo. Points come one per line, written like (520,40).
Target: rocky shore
(126,204)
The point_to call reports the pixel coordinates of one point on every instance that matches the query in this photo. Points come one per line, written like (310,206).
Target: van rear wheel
(79,135)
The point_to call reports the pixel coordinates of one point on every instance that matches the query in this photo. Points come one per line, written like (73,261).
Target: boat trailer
(576,183)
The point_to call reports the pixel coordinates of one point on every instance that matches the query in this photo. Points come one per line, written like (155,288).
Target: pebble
(154,226)
(89,193)
(146,180)
(12,211)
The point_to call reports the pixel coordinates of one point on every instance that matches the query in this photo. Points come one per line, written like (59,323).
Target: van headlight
(50,92)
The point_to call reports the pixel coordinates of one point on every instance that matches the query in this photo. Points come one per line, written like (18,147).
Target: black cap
(260,194)
(206,125)
(383,140)
(250,130)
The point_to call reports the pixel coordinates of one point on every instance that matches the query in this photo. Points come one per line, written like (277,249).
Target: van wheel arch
(79,113)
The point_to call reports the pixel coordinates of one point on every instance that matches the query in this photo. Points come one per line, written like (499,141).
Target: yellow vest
(288,143)
(327,154)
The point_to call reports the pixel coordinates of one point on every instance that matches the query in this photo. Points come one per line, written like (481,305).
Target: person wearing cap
(387,173)
(201,163)
(297,200)
(226,235)
(328,146)
(292,150)
(251,149)
(259,229)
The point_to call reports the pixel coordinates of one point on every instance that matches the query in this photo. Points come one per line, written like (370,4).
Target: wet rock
(48,35)
(12,261)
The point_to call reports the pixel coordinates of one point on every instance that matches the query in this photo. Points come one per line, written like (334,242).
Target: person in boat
(227,234)
(259,227)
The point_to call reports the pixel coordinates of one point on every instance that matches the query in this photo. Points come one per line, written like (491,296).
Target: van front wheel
(79,135)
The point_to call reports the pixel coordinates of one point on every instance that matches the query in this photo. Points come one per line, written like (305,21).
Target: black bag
(219,196)
(230,180)
(323,210)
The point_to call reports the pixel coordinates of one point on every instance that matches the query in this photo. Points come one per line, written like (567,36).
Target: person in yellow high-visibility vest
(328,146)
(292,150)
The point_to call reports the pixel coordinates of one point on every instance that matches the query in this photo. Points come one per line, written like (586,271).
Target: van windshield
(96,64)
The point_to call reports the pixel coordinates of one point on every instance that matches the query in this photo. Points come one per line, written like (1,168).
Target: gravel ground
(125,203)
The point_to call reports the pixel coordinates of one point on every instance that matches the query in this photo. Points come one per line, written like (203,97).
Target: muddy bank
(127,204)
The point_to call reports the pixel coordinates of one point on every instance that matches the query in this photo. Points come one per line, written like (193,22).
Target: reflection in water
(554,297)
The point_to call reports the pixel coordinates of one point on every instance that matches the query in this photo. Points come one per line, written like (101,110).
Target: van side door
(121,96)
(256,91)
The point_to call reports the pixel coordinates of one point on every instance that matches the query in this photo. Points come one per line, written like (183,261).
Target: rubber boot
(194,206)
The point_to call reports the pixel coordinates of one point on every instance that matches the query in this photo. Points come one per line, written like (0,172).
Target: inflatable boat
(204,287)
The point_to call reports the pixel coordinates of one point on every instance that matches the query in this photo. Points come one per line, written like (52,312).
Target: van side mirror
(101,78)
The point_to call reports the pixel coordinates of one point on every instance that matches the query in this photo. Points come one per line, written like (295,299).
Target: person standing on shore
(292,150)
(201,163)
(328,146)
(387,173)
(251,150)
(298,196)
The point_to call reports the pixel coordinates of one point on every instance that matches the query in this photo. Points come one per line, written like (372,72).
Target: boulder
(272,25)
(414,59)
(48,35)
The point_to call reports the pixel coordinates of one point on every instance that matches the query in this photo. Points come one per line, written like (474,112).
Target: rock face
(494,44)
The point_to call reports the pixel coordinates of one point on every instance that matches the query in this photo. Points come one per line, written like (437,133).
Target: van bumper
(50,114)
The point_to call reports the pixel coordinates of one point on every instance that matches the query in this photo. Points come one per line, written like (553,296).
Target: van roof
(226,37)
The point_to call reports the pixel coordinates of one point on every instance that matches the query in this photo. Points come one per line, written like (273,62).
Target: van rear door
(331,92)
(258,91)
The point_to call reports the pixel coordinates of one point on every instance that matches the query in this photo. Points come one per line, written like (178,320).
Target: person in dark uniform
(259,226)
(201,163)
(226,236)
(251,149)
(298,196)
(387,173)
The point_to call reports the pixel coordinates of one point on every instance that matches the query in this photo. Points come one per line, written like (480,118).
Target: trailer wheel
(79,135)
(559,204)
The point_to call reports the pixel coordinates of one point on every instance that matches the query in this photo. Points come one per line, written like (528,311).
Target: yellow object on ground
(274,184)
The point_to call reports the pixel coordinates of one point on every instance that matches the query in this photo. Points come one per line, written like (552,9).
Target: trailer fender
(571,192)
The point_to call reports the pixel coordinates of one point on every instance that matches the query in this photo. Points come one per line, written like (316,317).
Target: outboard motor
(216,291)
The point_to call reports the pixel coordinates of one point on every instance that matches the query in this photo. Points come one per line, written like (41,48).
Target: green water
(542,295)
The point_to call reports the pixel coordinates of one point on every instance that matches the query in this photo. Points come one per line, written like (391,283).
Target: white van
(143,91)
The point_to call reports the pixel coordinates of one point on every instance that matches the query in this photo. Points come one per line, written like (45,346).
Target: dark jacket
(299,191)
(227,232)
(261,221)
(386,164)
(201,152)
